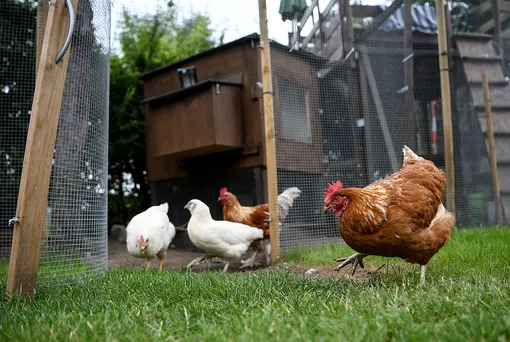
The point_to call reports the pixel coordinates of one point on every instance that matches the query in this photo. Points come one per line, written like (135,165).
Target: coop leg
(149,263)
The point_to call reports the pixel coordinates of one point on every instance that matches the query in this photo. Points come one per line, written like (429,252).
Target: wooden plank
(369,154)
(272,179)
(349,33)
(378,21)
(42,17)
(35,177)
(492,149)
(318,23)
(490,24)
(307,14)
(366,64)
(408,61)
(362,11)
(446,105)
(497,20)
(481,9)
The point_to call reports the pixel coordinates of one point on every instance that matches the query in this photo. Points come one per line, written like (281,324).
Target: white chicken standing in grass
(149,234)
(223,239)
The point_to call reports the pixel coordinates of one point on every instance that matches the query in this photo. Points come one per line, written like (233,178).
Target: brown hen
(399,216)
(256,216)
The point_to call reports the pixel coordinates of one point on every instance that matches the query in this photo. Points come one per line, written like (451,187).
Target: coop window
(187,76)
(294,108)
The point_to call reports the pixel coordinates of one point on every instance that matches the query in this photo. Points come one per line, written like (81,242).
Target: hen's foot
(423,270)
(355,259)
(251,262)
(197,261)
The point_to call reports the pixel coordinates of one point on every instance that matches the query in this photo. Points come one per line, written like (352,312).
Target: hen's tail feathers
(286,200)
(163,207)
(443,223)
(409,155)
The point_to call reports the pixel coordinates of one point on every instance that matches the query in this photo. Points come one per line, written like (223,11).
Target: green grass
(466,297)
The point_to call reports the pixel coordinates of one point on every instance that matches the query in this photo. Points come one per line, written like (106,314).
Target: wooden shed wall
(223,63)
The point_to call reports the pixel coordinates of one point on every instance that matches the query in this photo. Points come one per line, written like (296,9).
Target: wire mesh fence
(75,236)
(349,94)
(352,83)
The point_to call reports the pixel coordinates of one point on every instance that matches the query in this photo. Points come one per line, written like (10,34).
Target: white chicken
(149,234)
(223,239)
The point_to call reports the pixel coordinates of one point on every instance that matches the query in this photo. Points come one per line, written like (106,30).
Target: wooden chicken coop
(204,125)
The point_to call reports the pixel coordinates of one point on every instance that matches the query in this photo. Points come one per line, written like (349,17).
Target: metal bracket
(13,221)
(70,12)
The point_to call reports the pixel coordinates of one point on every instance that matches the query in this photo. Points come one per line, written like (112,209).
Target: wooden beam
(408,63)
(492,148)
(446,105)
(366,64)
(270,143)
(42,17)
(490,24)
(362,11)
(369,154)
(379,20)
(35,177)
(318,23)
(307,13)
(348,33)
(497,20)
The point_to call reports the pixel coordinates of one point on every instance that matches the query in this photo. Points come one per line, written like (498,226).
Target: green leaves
(147,42)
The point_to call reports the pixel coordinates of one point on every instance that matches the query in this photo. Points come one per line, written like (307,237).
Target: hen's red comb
(330,190)
(223,191)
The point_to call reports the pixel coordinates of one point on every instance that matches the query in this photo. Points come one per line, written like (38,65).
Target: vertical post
(42,17)
(492,148)
(446,104)
(408,61)
(35,177)
(272,181)
(497,21)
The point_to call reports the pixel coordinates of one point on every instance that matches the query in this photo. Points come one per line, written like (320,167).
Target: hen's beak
(219,198)
(326,209)
(143,248)
(186,206)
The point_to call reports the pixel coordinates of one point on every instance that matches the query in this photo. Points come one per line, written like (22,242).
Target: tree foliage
(146,42)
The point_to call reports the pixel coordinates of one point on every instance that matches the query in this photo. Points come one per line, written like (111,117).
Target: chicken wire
(75,237)
(343,111)
(345,114)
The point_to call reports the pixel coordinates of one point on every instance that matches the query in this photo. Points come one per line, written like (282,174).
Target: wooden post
(272,180)
(372,83)
(42,17)
(492,148)
(408,61)
(497,22)
(446,105)
(35,177)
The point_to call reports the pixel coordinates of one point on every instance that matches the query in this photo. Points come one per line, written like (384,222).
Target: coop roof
(246,39)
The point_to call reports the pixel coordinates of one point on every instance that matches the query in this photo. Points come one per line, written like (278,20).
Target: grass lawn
(466,297)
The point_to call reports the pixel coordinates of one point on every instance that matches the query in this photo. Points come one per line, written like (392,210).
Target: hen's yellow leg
(161,265)
(149,263)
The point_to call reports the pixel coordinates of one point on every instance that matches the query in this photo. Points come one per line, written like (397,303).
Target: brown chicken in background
(399,216)
(256,216)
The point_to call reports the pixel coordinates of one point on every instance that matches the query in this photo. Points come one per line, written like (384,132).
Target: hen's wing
(231,233)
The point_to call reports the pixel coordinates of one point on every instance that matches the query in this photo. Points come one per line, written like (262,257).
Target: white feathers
(441,213)
(153,225)
(286,200)
(224,239)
